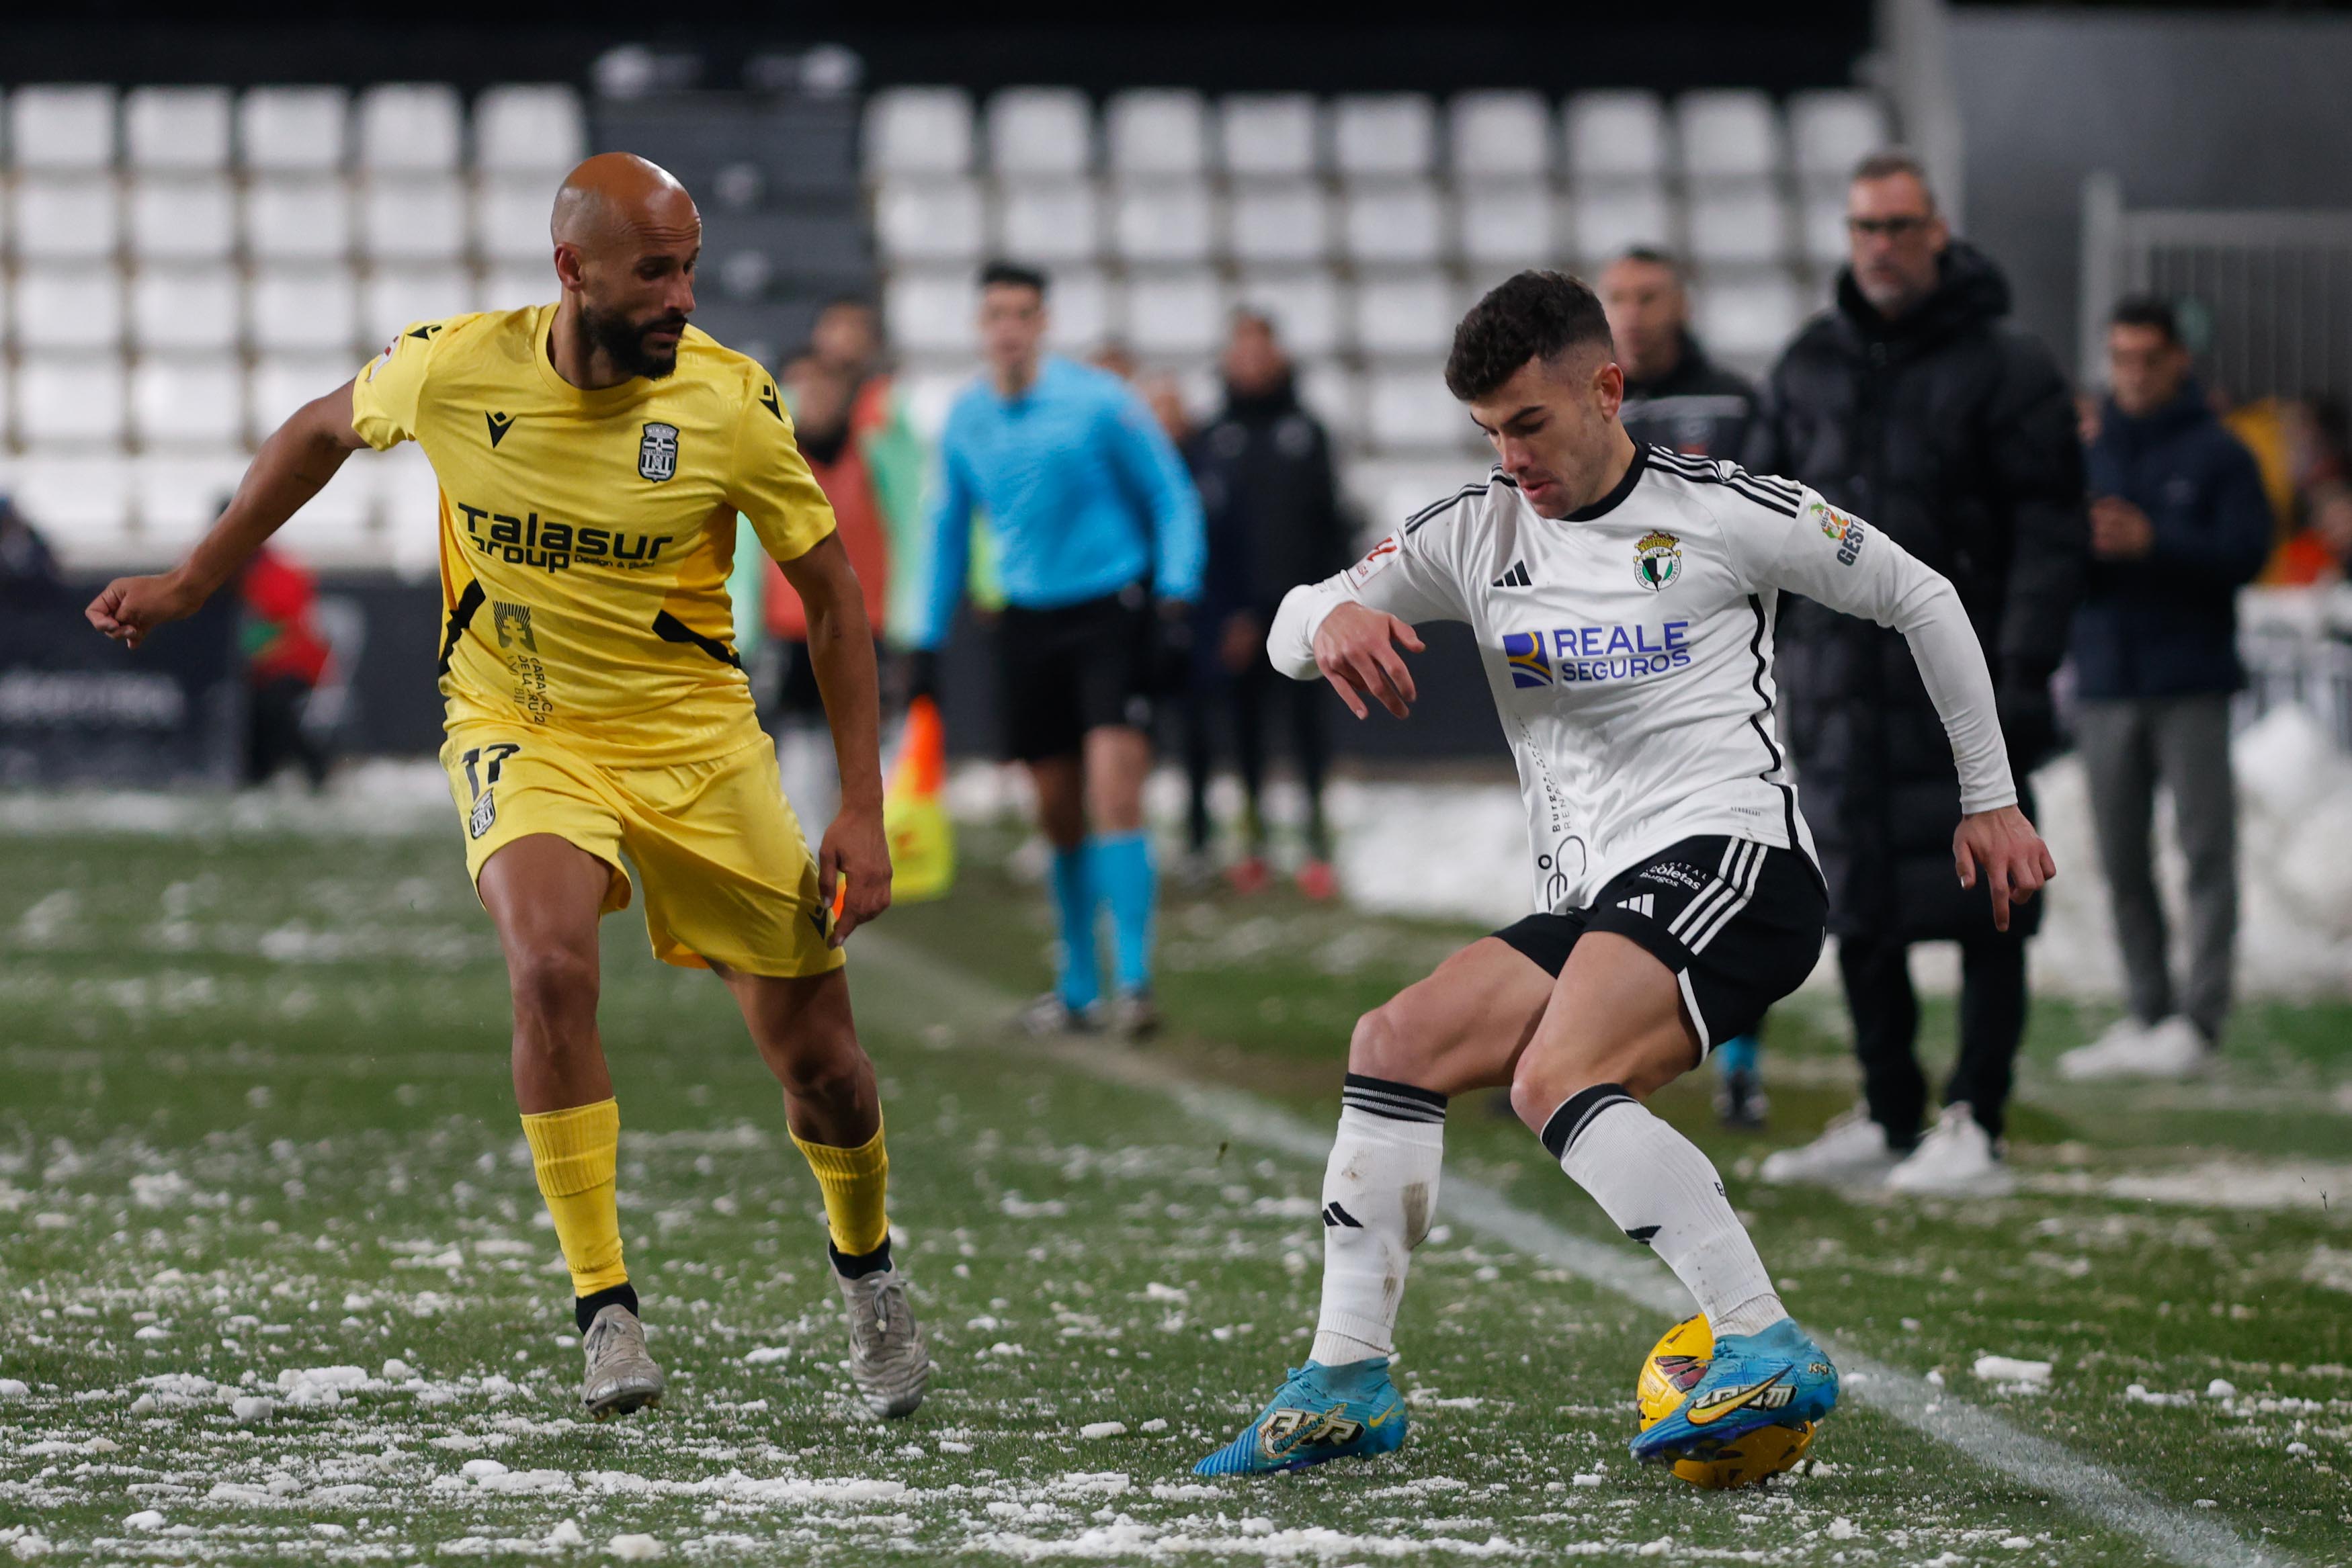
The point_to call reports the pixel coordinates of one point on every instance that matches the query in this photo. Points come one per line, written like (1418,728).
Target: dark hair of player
(1003,274)
(1533,316)
(1651,256)
(2149,310)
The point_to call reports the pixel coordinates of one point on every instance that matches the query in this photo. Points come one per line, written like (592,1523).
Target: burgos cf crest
(1524,653)
(657,452)
(1657,560)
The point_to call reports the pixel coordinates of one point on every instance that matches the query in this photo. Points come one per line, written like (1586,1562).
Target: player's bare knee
(824,1070)
(1384,1045)
(552,985)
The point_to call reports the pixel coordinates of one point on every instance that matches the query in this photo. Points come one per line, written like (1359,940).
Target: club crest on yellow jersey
(658,451)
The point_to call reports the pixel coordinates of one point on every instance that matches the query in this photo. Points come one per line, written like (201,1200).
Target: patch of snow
(1094,1429)
(252,1408)
(145,1519)
(637,1548)
(2012,1369)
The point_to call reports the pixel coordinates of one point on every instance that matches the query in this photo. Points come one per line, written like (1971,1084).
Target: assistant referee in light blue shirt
(1099,546)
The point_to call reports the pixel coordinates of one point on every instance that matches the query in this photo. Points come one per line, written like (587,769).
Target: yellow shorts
(729,877)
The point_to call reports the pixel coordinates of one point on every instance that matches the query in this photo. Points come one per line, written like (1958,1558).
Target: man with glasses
(1915,403)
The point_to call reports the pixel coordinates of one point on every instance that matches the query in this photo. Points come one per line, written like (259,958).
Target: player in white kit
(1622,599)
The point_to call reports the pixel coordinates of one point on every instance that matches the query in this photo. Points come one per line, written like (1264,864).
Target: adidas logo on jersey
(1641,903)
(1515,577)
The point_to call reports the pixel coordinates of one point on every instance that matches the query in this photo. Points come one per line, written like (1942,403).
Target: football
(1671,1370)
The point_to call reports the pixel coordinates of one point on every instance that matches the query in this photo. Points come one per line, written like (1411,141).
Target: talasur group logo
(1657,560)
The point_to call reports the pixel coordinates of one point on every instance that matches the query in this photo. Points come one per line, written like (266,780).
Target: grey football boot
(622,1376)
(888,1359)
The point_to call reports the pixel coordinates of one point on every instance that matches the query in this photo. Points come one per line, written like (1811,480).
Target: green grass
(253,1106)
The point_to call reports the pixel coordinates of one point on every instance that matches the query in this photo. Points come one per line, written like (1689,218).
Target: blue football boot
(1321,1413)
(1777,1376)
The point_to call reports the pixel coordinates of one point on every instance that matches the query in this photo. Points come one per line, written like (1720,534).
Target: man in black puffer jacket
(1914,404)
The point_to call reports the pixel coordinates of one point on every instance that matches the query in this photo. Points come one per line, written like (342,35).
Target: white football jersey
(1629,648)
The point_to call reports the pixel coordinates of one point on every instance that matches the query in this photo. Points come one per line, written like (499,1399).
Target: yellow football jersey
(586,537)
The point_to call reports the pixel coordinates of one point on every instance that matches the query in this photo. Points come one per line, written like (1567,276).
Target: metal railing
(2266,296)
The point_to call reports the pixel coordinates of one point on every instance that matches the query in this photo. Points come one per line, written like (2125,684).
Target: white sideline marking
(2035,1462)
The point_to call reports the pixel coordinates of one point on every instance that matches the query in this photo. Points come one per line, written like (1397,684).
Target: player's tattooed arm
(292,466)
(841,648)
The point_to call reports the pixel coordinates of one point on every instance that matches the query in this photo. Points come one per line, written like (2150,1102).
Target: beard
(623,341)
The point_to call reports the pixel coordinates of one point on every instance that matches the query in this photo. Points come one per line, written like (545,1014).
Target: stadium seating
(1363,224)
(180,267)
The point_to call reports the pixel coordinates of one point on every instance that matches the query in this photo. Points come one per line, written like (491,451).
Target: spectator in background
(286,660)
(2178,524)
(846,340)
(1274,519)
(821,398)
(2320,553)
(29,578)
(1676,396)
(1098,535)
(1914,403)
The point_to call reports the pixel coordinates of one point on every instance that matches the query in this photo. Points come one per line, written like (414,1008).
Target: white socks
(1379,1192)
(1660,1190)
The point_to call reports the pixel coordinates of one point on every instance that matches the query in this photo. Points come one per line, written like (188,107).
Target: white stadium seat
(180,218)
(1306,307)
(182,129)
(1163,222)
(1506,227)
(178,495)
(57,217)
(74,401)
(512,219)
(1737,226)
(1747,320)
(1412,316)
(406,218)
(918,130)
(1394,225)
(1387,136)
(1334,394)
(297,219)
(61,130)
(515,286)
(1729,133)
(408,507)
(1282,223)
(182,403)
(932,312)
(1613,218)
(1056,221)
(929,395)
(929,218)
(528,129)
(83,504)
(1411,411)
(1269,136)
(1831,131)
(1082,312)
(1158,132)
(395,297)
(1616,134)
(283,382)
(335,526)
(1499,137)
(295,309)
(186,309)
(292,129)
(1175,313)
(1823,226)
(59,310)
(1039,131)
(410,127)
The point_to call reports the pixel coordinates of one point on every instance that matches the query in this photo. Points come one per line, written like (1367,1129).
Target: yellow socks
(574,1152)
(852,1181)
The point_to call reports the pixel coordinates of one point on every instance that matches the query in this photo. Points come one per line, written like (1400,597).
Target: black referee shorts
(1076,667)
(1741,924)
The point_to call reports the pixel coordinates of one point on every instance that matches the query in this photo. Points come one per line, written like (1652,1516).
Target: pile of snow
(2012,1369)
(320,1384)
(1459,851)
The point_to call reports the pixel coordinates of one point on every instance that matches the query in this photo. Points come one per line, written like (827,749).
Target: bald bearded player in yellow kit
(592,456)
